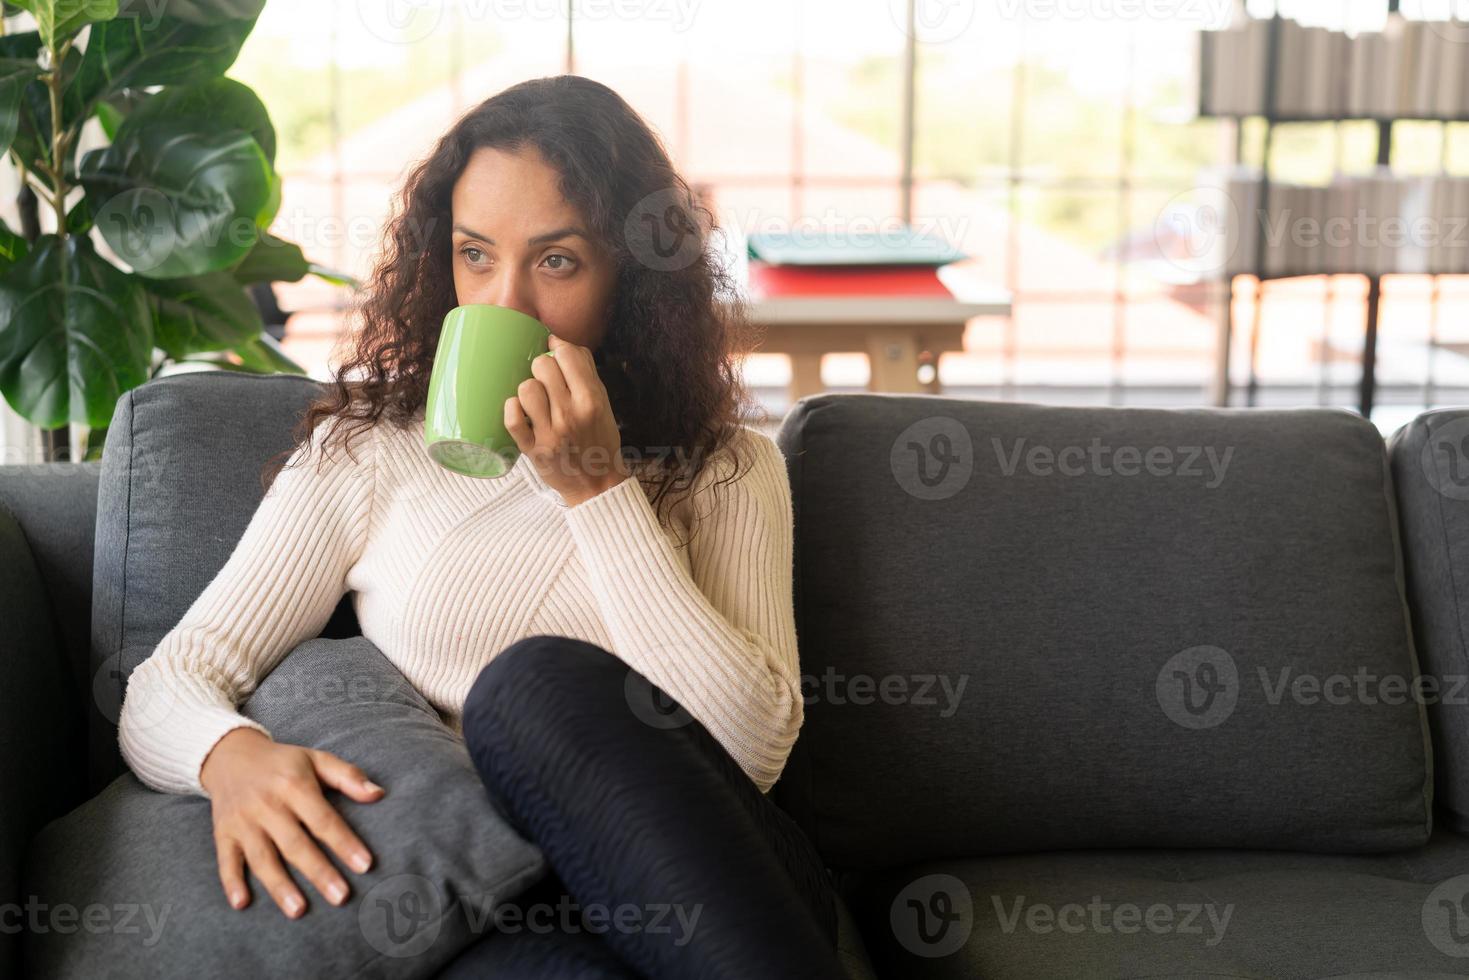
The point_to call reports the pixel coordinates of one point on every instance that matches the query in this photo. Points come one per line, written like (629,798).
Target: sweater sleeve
(717,633)
(278,588)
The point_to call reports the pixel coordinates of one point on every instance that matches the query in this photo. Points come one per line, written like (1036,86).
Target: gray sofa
(1091,692)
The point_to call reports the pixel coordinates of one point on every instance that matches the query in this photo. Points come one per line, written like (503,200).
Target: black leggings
(681,867)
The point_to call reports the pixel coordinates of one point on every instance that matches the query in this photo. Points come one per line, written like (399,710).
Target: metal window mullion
(1009,341)
(906,122)
(1124,207)
(334,89)
(570,37)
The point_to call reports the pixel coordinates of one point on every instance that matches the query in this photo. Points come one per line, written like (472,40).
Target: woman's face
(518,243)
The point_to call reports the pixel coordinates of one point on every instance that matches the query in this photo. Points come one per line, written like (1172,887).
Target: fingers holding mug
(518,424)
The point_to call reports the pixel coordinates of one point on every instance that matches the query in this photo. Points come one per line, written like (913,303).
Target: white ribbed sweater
(447,570)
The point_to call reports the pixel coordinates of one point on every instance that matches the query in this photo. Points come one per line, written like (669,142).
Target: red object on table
(778,281)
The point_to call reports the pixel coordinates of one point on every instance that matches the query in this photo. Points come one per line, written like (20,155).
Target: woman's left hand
(562,419)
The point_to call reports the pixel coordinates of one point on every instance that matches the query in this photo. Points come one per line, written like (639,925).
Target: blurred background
(1059,144)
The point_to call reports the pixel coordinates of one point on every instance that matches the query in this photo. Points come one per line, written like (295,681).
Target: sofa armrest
(39,768)
(1432,492)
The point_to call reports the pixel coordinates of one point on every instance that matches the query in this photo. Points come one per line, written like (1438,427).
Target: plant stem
(54,82)
(60,441)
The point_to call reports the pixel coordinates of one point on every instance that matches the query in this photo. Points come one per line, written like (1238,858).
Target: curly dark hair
(667,355)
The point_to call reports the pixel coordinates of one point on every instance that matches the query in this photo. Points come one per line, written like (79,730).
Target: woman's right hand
(266,796)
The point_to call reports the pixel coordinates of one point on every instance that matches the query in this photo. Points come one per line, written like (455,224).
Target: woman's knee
(535,668)
(563,691)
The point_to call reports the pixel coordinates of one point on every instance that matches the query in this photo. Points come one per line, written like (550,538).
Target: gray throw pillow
(127,885)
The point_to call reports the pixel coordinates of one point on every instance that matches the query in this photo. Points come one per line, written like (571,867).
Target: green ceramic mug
(484,354)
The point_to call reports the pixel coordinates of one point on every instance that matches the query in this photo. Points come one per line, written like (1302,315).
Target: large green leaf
(32,142)
(266,215)
(94,443)
(15,73)
(131,52)
(121,55)
(75,333)
(59,19)
(79,218)
(192,11)
(263,355)
(334,277)
(201,313)
(110,116)
(271,260)
(276,260)
(13,248)
(21,44)
(206,105)
(172,201)
(112,110)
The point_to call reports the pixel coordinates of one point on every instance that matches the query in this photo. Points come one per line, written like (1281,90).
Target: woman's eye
(566,261)
(471,253)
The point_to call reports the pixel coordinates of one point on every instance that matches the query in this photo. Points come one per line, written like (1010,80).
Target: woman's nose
(510,290)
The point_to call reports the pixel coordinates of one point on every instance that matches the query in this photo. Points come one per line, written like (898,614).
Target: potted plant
(156,237)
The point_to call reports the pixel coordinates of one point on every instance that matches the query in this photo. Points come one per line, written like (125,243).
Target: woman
(641,543)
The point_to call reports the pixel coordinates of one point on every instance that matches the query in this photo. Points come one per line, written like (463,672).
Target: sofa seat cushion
(1174,913)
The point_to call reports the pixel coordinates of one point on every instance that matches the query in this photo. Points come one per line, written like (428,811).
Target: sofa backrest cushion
(1430,460)
(1027,627)
(180,481)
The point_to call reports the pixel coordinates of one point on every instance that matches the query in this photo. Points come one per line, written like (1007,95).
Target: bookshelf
(1433,95)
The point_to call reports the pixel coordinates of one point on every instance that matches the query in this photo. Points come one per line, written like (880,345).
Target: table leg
(805,376)
(933,387)
(893,356)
